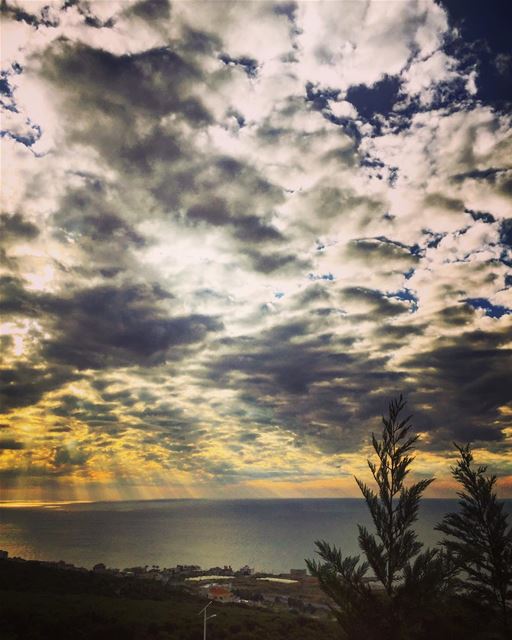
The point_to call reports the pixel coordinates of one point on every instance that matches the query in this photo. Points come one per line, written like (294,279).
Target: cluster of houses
(178,573)
(215,583)
(221,584)
(224,592)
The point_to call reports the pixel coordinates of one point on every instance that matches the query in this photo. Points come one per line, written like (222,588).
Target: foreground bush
(404,602)
(479,541)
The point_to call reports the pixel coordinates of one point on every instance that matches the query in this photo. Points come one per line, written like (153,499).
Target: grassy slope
(37,602)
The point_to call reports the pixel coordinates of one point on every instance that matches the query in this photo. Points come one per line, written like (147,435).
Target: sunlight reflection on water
(270,535)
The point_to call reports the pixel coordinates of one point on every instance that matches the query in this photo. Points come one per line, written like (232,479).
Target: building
(156,574)
(187,568)
(4,555)
(220,593)
(246,570)
(226,570)
(99,568)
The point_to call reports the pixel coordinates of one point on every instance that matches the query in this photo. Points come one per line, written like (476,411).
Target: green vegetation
(461,590)
(407,577)
(38,602)
(479,540)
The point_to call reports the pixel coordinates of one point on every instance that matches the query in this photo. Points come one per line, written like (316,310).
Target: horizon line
(12,504)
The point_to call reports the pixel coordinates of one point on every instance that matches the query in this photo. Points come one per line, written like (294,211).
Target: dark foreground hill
(39,602)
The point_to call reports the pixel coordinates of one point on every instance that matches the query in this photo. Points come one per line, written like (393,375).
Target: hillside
(39,602)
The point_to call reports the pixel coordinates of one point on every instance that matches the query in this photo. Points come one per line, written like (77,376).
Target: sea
(270,535)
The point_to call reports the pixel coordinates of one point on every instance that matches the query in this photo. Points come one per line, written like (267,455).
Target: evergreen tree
(410,581)
(479,539)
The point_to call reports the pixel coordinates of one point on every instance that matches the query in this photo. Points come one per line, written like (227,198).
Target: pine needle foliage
(479,539)
(409,580)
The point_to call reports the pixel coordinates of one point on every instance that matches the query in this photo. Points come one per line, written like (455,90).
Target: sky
(231,232)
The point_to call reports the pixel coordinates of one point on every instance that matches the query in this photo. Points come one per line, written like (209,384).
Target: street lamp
(203,611)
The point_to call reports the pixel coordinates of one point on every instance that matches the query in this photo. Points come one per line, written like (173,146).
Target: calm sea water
(270,535)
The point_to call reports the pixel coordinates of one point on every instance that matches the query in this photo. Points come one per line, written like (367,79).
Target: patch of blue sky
(319,99)
(406,295)
(5,87)
(29,139)
(483,216)
(491,310)
(409,274)
(249,65)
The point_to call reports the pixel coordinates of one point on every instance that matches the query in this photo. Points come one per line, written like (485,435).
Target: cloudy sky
(232,231)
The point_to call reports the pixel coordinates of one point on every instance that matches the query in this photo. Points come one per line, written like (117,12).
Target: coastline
(39,600)
(295,590)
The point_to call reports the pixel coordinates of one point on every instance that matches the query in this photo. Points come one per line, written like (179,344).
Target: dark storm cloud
(304,383)
(126,91)
(440,200)
(126,397)
(86,215)
(14,226)
(466,379)
(24,385)
(15,299)
(315,385)
(147,82)
(9,444)
(253,229)
(287,9)
(283,365)
(106,326)
(214,212)
(87,411)
(396,334)
(60,429)
(10,476)
(380,303)
(455,315)
(272,262)
(249,436)
(64,456)
(175,431)
(381,251)
(488,175)
(142,153)
(312,294)
(234,194)
(151,10)
(246,228)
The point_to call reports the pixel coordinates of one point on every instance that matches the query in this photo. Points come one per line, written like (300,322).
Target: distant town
(295,590)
